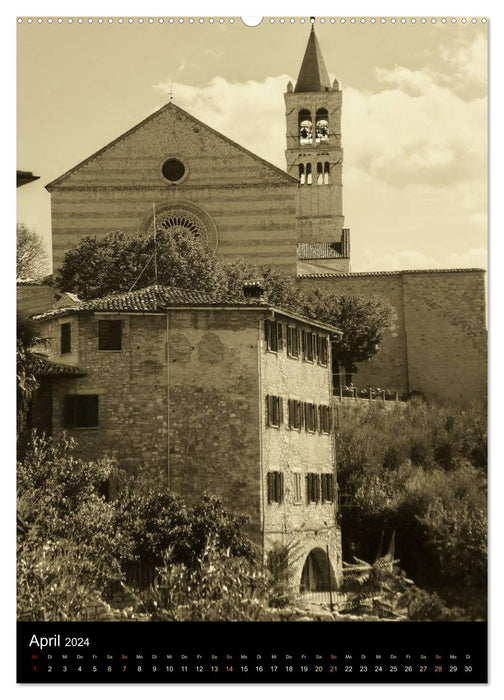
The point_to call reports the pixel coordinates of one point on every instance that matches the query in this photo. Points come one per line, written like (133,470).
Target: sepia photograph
(251,320)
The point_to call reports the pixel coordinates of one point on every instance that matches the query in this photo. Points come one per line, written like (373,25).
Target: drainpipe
(261,426)
(167,338)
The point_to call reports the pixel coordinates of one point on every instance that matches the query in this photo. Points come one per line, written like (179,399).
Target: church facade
(171,170)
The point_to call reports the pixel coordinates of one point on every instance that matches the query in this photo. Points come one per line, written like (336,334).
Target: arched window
(326,173)
(301,174)
(308,174)
(320,176)
(322,125)
(305,127)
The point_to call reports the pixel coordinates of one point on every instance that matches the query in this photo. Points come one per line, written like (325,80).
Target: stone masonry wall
(251,203)
(188,407)
(308,525)
(437,344)
(214,416)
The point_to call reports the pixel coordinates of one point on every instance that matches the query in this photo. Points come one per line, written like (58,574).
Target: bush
(219,586)
(417,469)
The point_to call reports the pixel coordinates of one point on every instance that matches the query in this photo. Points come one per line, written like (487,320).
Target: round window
(173,169)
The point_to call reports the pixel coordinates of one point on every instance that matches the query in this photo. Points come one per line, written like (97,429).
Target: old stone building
(179,170)
(232,399)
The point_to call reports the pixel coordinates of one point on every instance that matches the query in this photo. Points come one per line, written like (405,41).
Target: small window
(292,341)
(322,353)
(313,488)
(308,174)
(173,169)
(308,342)
(310,416)
(275,487)
(65,338)
(109,335)
(274,335)
(320,174)
(81,411)
(295,414)
(274,411)
(298,495)
(325,416)
(327,482)
(301,174)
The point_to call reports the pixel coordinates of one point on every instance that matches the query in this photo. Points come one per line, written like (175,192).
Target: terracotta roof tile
(387,273)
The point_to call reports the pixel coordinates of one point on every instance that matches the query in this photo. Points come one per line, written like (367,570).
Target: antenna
(171,91)
(155,242)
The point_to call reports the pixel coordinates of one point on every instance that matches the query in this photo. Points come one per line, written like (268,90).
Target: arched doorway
(317,572)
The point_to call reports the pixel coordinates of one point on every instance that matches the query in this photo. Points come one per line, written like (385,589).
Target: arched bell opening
(305,127)
(321,125)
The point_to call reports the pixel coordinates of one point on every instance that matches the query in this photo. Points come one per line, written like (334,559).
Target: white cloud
(415,154)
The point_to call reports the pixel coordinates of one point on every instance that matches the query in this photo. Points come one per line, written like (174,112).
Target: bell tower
(315,157)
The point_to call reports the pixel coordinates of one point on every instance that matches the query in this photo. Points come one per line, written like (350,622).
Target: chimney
(253,289)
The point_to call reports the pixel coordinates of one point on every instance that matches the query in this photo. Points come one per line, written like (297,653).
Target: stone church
(171,170)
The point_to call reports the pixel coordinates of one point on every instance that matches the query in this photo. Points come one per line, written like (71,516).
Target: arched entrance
(317,572)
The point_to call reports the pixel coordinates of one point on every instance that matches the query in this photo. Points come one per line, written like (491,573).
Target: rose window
(178,221)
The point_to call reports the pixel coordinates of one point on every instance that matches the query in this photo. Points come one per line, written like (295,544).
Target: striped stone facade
(247,204)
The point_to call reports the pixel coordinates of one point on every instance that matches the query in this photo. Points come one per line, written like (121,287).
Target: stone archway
(317,572)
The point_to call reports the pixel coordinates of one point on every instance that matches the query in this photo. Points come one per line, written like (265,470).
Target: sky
(414,124)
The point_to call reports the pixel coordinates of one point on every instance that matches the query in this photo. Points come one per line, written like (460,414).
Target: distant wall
(438,341)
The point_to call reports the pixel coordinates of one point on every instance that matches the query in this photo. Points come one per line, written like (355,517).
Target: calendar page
(251,349)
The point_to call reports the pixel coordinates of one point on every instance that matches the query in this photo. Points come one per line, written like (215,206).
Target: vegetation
(117,263)
(418,470)
(361,320)
(31,256)
(74,545)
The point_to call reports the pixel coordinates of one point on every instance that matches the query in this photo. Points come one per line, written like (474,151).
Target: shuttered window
(292,341)
(325,419)
(322,353)
(313,488)
(81,411)
(327,482)
(109,335)
(297,488)
(65,338)
(295,414)
(308,341)
(274,411)
(275,487)
(310,417)
(273,332)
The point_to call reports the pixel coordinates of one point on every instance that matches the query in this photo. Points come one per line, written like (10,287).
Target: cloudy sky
(414,116)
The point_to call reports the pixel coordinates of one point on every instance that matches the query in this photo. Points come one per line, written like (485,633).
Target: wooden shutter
(280,410)
(308,488)
(65,338)
(115,335)
(269,411)
(69,412)
(317,487)
(92,411)
(279,328)
(281,486)
(271,487)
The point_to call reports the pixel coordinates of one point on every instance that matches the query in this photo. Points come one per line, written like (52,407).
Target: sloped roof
(159,298)
(319,251)
(48,368)
(169,106)
(313,76)
(390,273)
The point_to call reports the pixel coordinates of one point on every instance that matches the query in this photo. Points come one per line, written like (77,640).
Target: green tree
(362,321)
(114,263)
(31,256)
